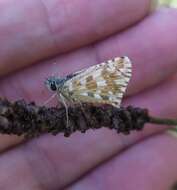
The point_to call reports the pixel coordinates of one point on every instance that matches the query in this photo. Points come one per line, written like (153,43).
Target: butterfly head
(54,83)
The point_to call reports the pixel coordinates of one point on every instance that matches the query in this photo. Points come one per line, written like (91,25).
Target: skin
(44,37)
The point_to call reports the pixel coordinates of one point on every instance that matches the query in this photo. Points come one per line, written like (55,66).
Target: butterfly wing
(103,83)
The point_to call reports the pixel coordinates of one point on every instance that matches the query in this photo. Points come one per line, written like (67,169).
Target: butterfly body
(104,83)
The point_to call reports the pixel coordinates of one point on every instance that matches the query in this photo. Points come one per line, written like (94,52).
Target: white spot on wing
(96,74)
(120,82)
(70,87)
(101,83)
(84,94)
(110,93)
(119,95)
(128,74)
(97,96)
(83,82)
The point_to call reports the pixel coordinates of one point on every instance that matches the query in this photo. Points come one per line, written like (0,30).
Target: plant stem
(163,121)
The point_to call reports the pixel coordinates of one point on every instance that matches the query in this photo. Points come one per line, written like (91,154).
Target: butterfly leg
(49,99)
(66,108)
(87,119)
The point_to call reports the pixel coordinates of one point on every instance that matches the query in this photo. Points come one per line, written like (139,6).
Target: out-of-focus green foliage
(170,3)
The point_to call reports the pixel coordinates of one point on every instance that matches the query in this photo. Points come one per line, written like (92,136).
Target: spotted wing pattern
(104,83)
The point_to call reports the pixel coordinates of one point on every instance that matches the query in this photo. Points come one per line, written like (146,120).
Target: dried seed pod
(30,120)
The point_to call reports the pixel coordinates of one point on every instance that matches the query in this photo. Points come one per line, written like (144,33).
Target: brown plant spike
(20,118)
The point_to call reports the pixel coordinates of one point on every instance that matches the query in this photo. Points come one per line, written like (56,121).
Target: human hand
(35,34)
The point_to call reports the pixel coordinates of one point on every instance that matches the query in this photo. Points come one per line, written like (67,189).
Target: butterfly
(104,83)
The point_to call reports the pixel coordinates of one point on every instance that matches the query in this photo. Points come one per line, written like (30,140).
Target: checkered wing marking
(103,83)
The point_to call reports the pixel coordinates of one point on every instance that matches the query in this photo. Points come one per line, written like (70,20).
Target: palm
(75,35)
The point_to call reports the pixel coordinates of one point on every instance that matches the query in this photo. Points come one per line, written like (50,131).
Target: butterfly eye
(53,86)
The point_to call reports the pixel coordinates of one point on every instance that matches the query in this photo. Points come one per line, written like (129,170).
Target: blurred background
(171,3)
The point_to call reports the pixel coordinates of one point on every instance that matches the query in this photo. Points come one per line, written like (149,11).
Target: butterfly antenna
(49,99)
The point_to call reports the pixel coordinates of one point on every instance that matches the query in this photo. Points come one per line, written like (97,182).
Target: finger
(154,59)
(150,164)
(155,105)
(149,46)
(56,161)
(37,29)
(28,84)
(9,141)
(23,85)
